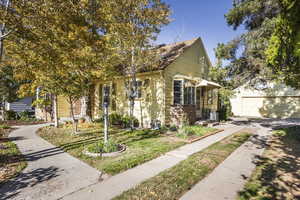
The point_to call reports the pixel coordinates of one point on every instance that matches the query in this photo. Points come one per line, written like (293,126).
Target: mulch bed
(21,123)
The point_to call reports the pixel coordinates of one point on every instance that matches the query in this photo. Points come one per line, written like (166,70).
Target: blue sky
(194,18)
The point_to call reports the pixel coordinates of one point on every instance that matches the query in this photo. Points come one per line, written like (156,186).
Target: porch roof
(205,83)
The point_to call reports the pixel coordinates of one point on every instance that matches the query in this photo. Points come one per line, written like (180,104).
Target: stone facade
(183,114)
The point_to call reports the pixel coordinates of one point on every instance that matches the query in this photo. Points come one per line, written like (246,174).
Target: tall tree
(283,52)
(63,43)
(252,54)
(8,87)
(4,33)
(137,24)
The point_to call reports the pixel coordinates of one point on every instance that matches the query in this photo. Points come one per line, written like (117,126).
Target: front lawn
(173,183)
(142,145)
(192,132)
(11,160)
(277,175)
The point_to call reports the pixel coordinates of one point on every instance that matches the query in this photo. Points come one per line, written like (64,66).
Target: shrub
(81,120)
(4,126)
(100,120)
(115,119)
(24,114)
(126,121)
(188,130)
(173,128)
(100,147)
(10,115)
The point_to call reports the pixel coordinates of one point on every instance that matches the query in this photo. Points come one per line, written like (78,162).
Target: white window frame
(181,94)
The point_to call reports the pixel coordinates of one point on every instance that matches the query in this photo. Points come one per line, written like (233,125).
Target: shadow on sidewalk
(27,180)
(46,152)
(277,174)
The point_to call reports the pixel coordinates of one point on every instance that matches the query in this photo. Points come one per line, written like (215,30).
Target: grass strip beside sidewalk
(11,160)
(277,173)
(174,182)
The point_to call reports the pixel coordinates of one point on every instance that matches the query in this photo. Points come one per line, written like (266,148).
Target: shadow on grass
(9,158)
(278,177)
(124,138)
(29,179)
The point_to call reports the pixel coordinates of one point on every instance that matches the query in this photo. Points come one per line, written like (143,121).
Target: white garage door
(251,107)
(271,107)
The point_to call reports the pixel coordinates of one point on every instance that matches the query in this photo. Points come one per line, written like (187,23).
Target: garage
(276,101)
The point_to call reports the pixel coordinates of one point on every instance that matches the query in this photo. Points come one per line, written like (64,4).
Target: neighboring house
(270,101)
(21,105)
(176,90)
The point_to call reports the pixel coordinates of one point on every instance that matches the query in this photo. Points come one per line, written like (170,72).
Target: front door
(198,103)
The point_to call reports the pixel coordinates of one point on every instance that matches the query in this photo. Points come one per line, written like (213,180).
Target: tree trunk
(55,111)
(105,109)
(1,48)
(3,109)
(75,125)
(45,110)
(2,33)
(131,113)
(85,109)
(133,89)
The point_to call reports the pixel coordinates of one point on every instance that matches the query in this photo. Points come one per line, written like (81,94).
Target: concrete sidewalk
(118,184)
(50,174)
(231,175)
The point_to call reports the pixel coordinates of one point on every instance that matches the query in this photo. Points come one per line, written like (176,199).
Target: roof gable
(169,53)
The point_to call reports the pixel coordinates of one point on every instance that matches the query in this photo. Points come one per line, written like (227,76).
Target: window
(198,95)
(183,95)
(177,92)
(189,95)
(138,89)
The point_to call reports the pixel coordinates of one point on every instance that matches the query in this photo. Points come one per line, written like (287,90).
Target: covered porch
(194,100)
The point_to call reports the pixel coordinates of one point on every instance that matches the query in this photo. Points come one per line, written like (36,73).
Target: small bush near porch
(142,145)
(191,132)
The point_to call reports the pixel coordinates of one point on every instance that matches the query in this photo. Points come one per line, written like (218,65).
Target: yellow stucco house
(176,89)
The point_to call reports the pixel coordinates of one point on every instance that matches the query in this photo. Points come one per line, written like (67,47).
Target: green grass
(4,126)
(277,170)
(188,131)
(11,160)
(173,183)
(142,146)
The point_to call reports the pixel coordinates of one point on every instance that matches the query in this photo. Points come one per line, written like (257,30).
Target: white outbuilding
(272,100)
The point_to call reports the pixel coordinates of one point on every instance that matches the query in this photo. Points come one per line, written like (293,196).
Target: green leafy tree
(137,25)
(283,52)
(262,52)
(8,87)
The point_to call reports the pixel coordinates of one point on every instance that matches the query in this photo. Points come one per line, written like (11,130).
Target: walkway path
(50,173)
(231,175)
(117,184)
(54,174)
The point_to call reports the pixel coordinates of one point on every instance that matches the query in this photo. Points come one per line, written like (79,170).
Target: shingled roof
(169,53)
